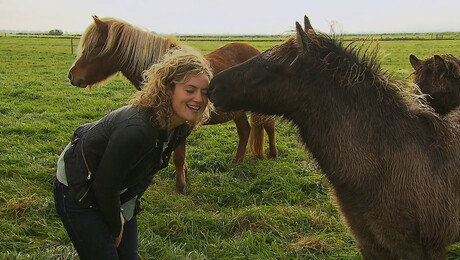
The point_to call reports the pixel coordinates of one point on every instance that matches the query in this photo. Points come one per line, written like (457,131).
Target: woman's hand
(118,239)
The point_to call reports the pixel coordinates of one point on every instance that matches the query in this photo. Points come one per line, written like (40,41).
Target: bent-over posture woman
(109,163)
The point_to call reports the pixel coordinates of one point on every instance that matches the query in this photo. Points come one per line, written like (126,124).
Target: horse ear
(440,65)
(100,24)
(307,25)
(301,38)
(455,69)
(414,61)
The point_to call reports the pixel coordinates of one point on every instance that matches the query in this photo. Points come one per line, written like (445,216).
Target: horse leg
(243,129)
(429,254)
(181,167)
(376,255)
(370,249)
(434,254)
(269,127)
(364,234)
(257,136)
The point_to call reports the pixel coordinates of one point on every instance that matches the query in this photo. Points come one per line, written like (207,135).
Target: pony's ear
(455,69)
(301,39)
(440,66)
(100,24)
(307,26)
(414,61)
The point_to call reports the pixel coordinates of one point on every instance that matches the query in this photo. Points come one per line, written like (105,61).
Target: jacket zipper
(89,172)
(86,163)
(84,195)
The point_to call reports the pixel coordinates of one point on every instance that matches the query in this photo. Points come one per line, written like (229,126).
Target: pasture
(259,209)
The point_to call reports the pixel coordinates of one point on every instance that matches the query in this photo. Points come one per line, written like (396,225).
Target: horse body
(221,59)
(439,78)
(394,165)
(109,46)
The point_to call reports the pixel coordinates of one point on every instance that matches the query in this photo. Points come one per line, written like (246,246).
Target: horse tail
(257,136)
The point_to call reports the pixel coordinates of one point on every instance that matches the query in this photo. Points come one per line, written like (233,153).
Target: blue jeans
(89,232)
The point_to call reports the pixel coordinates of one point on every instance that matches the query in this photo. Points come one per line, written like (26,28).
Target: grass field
(259,209)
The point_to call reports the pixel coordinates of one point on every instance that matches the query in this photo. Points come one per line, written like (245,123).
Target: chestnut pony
(393,164)
(439,78)
(109,46)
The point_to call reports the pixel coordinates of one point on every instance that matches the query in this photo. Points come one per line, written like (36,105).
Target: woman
(109,163)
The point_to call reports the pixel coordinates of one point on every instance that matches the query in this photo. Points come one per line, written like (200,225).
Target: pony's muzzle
(76,83)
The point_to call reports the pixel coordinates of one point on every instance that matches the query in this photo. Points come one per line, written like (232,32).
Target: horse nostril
(69,76)
(78,82)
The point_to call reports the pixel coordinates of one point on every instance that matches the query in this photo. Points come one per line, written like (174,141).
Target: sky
(242,17)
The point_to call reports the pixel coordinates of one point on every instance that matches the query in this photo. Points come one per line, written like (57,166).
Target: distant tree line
(55,32)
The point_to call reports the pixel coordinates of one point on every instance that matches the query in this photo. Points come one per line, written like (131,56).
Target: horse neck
(350,132)
(133,63)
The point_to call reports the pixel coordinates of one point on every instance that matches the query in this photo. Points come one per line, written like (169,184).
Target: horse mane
(136,47)
(351,64)
(357,65)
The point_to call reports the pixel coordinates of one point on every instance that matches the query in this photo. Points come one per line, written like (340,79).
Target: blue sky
(235,16)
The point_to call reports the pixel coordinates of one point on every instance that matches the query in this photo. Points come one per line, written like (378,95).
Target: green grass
(259,209)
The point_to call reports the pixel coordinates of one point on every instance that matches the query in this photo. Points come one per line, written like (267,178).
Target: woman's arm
(124,148)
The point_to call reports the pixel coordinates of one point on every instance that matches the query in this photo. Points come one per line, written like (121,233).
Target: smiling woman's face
(189,99)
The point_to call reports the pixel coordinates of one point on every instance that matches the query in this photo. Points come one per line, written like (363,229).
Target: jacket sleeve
(124,148)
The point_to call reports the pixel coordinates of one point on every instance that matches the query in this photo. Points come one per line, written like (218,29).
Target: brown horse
(439,78)
(109,46)
(393,164)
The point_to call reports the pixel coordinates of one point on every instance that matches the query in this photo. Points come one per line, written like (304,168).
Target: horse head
(94,62)
(263,83)
(439,78)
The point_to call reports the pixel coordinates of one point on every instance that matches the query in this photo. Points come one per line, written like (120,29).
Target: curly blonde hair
(176,67)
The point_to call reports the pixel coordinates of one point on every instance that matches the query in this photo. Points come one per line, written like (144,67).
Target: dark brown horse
(109,46)
(439,78)
(394,165)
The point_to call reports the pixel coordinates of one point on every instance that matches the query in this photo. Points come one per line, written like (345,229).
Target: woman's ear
(170,89)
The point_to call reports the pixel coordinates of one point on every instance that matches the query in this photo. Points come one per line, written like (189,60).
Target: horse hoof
(274,154)
(180,190)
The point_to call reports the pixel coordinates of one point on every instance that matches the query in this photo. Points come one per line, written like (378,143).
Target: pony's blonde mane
(138,49)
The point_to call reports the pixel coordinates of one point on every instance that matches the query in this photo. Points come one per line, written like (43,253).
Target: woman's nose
(200,97)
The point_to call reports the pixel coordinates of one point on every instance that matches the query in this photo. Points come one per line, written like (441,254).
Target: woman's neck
(174,121)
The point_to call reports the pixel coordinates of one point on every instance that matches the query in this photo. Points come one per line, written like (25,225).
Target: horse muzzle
(77,82)
(218,99)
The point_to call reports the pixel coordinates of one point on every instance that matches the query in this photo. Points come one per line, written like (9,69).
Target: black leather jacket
(123,150)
